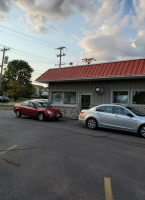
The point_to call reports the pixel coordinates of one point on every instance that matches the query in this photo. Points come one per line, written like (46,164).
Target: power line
(73,53)
(42,58)
(45,42)
(36,42)
(30,54)
(33,39)
(32,60)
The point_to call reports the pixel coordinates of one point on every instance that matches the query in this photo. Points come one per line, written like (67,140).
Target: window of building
(138,97)
(120,97)
(69,97)
(57,97)
(64,98)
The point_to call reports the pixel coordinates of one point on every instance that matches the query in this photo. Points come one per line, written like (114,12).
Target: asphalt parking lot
(63,160)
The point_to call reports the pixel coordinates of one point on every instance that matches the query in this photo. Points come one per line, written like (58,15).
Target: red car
(41,110)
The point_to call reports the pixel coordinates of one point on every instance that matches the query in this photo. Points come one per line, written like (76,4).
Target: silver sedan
(114,117)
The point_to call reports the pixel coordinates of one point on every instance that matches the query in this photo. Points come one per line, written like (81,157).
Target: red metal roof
(96,71)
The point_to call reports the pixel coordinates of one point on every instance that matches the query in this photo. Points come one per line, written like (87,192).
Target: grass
(5,105)
(19,100)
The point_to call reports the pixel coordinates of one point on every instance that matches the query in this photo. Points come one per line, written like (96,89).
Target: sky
(106,30)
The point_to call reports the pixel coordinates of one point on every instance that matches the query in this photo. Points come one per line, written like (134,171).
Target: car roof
(112,105)
(40,99)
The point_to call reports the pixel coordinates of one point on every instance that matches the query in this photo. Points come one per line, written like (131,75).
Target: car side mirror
(129,115)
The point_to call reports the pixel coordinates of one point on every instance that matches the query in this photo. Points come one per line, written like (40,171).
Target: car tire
(18,113)
(92,123)
(142,130)
(40,116)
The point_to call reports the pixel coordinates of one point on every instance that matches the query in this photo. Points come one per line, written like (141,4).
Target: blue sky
(107,30)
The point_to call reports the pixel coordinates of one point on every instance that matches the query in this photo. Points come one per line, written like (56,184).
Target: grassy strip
(18,100)
(9,106)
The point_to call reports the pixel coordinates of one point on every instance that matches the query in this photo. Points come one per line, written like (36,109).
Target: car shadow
(45,120)
(119,132)
(77,124)
(111,131)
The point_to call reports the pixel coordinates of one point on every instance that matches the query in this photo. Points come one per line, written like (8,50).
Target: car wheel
(142,130)
(92,123)
(18,114)
(41,116)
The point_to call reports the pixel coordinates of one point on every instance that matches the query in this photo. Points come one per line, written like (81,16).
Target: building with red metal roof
(74,88)
(96,71)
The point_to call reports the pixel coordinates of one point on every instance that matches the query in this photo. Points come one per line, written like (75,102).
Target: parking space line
(108,189)
(9,149)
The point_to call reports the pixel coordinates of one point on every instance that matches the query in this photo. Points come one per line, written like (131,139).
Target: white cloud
(108,47)
(103,11)
(43,12)
(140,41)
(139,18)
(107,40)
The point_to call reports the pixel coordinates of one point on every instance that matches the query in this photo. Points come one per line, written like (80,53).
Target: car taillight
(82,112)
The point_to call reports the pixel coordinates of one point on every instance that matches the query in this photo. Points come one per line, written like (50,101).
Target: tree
(16,79)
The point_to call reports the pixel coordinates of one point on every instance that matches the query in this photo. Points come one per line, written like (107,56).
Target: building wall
(96,99)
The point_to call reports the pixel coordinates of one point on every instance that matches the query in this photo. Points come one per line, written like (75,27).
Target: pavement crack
(10,162)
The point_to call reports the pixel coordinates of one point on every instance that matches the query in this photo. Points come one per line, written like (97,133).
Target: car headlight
(49,112)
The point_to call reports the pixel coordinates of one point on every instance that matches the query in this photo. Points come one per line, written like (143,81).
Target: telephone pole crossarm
(60,55)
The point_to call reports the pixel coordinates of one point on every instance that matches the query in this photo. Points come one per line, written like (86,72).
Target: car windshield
(136,112)
(43,105)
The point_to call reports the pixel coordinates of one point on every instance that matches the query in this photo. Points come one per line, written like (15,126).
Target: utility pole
(88,60)
(60,55)
(3,57)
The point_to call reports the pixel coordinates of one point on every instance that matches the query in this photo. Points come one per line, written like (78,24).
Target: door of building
(85,101)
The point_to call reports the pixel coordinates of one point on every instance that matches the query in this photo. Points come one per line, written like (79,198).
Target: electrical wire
(40,40)
(33,39)
(36,42)
(30,54)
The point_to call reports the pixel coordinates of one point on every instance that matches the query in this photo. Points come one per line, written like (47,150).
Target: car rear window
(135,111)
(25,103)
(43,105)
(120,111)
(106,109)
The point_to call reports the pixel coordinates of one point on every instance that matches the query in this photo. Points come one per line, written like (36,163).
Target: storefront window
(57,97)
(69,97)
(120,97)
(64,97)
(138,97)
